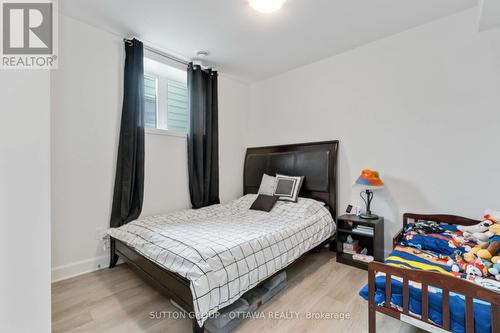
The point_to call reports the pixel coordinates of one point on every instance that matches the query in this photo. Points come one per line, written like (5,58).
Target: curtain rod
(160,53)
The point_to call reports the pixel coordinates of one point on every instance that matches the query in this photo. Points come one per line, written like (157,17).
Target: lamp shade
(369,178)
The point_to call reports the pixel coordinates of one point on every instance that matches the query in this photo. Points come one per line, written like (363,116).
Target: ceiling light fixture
(200,54)
(266,6)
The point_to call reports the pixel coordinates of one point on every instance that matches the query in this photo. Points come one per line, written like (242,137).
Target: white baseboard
(78,268)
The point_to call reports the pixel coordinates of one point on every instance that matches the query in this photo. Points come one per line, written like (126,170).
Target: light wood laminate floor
(116,300)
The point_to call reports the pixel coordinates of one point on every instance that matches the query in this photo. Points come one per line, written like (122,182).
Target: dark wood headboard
(316,161)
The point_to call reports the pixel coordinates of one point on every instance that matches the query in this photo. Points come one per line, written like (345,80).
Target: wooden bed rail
(444,282)
(439,218)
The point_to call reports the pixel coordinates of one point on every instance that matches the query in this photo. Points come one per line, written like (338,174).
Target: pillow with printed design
(287,188)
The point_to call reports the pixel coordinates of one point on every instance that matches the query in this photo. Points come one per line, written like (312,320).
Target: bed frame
(446,283)
(317,161)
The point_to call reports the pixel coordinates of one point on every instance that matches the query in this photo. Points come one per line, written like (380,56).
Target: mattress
(225,250)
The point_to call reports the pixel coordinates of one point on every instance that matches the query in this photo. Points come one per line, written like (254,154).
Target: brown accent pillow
(264,203)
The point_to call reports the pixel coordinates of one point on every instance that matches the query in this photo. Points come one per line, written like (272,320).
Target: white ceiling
(251,45)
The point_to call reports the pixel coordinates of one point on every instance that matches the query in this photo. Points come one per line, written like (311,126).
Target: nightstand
(358,229)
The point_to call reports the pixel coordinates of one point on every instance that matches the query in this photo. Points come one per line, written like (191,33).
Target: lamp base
(368,216)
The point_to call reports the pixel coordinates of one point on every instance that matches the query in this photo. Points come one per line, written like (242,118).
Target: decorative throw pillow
(264,202)
(267,185)
(288,187)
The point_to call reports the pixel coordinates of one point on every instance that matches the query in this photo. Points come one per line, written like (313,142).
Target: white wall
(25,201)
(233,107)
(86,95)
(87,98)
(422,107)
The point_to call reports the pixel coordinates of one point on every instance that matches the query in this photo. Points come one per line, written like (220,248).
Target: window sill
(159,131)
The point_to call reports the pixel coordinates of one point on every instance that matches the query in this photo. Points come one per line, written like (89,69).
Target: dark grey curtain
(203,137)
(129,179)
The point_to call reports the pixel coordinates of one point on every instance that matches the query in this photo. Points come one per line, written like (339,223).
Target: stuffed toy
(478,233)
(471,256)
(494,244)
(492,249)
(495,229)
(495,268)
(495,271)
(473,270)
(476,268)
(476,228)
(484,259)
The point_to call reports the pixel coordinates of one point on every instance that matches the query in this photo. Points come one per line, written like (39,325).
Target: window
(177,106)
(165,97)
(150,108)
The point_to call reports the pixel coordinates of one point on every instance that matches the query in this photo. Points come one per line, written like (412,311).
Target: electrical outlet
(105,244)
(102,237)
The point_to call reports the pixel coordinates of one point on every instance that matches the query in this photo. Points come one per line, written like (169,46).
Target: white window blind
(177,106)
(150,105)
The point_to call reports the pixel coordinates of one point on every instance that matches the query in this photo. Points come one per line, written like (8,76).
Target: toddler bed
(419,284)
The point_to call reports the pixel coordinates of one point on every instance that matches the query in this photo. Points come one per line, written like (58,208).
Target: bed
(206,259)
(417,283)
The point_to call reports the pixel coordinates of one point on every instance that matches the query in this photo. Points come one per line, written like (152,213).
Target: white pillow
(287,188)
(267,185)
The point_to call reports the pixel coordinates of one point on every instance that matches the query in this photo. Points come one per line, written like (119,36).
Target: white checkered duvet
(226,250)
